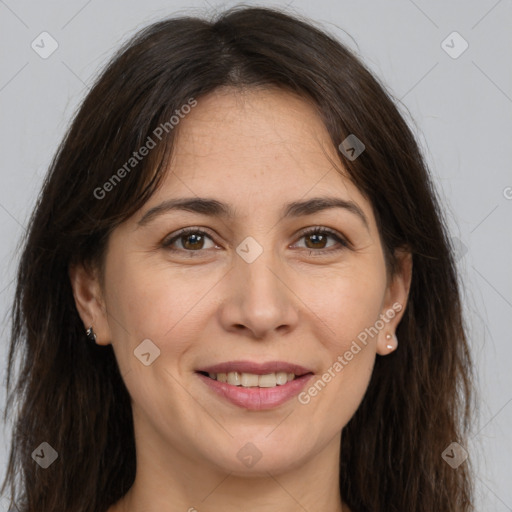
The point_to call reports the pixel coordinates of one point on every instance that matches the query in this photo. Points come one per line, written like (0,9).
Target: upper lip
(256,368)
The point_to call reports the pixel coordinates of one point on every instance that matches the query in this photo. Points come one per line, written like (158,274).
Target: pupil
(188,237)
(317,236)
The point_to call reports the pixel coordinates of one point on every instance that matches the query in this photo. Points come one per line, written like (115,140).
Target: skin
(255,150)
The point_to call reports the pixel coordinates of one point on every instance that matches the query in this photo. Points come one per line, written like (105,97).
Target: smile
(255,386)
(250,380)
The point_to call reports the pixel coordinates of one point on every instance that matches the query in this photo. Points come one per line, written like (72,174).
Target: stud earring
(91,335)
(392,342)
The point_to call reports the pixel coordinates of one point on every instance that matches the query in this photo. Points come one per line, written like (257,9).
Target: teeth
(251,380)
(234,379)
(282,378)
(267,381)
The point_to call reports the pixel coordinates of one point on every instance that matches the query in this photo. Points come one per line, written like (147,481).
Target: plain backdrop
(459,104)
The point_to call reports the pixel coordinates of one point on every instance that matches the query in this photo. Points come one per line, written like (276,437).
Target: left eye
(320,236)
(192,240)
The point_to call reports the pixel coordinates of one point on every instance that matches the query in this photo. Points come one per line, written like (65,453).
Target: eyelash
(313,231)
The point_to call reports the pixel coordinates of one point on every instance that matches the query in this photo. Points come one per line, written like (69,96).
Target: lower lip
(255,398)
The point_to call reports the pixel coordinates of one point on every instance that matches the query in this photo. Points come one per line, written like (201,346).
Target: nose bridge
(256,266)
(261,276)
(261,300)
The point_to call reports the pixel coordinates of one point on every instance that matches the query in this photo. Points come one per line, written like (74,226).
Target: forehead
(255,149)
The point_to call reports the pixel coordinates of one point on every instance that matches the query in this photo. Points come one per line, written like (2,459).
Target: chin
(259,456)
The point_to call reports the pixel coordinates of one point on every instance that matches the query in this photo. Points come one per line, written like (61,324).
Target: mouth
(255,386)
(252,380)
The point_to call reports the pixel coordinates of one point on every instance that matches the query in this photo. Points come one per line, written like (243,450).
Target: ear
(89,301)
(395,301)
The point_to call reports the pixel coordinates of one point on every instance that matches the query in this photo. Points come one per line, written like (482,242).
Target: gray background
(460,109)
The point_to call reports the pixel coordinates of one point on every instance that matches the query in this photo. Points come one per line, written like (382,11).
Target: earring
(91,335)
(392,343)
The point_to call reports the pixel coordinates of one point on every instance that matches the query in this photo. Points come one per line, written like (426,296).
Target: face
(252,290)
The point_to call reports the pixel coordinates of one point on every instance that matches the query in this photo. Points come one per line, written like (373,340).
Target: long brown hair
(70,393)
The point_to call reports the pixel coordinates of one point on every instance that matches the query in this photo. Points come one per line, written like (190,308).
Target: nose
(258,299)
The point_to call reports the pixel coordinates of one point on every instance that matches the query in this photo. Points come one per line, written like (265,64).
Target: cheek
(146,301)
(351,305)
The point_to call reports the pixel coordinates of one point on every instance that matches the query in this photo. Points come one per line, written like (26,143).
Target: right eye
(191,240)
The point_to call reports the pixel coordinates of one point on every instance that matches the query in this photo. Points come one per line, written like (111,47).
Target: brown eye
(317,240)
(191,240)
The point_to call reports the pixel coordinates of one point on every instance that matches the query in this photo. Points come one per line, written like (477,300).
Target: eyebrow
(214,208)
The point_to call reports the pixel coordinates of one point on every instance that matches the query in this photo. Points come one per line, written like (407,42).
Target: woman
(237,291)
